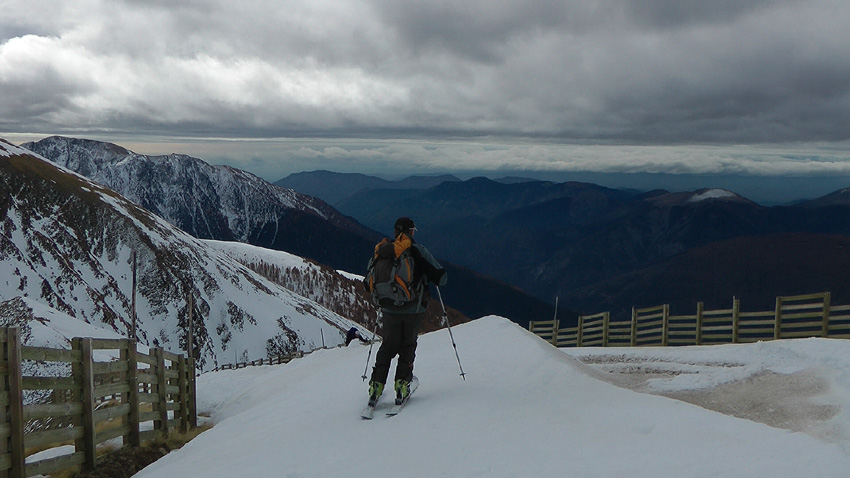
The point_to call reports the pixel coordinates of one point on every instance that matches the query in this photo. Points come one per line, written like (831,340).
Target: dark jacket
(352,334)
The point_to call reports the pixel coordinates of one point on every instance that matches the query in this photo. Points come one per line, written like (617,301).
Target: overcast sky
(683,86)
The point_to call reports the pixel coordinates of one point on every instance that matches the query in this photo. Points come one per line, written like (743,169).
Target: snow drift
(526,409)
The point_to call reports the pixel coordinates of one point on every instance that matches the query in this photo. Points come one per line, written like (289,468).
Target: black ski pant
(400,333)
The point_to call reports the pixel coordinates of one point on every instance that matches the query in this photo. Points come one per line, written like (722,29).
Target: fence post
(134,438)
(827,304)
(777,327)
(580,330)
(665,324)
(16,404)
(190,332)
(193,405)
(555,326)
(181,383)
(736,318)
(606,318)
(555,332)
(698,331)
(6,442)
(133,301)
(634,327)
(162,383)
(85,375)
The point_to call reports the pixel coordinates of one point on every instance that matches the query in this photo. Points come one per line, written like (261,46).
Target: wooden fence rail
(810,315)
(276,360)
(100,401)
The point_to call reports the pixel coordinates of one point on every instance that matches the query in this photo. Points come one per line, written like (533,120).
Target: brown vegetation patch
(126,462)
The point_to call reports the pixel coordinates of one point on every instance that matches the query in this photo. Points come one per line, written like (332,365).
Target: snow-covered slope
(709,194)
(216,202)
(526,409)
(800,385)
(338,291)
(66,242)
(169,185)
(43,326)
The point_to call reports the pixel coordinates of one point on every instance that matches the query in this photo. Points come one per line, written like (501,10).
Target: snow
(349,275)
(8,149)
(525,409)
(244,314)
(55,327)
(248,253)
(712,194)
(801,385)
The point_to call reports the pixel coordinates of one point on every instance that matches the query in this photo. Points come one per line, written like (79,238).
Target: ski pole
(369,358)
(449,326)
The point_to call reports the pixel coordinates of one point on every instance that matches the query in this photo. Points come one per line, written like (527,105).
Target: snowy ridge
(250,253)
(534,411)
(339,291)
(8,149)
(715,194)
(707,194)
(68,244)
(205,200)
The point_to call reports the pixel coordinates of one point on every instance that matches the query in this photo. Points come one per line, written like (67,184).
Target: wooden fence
(811,315)
(276,360)
(103,401)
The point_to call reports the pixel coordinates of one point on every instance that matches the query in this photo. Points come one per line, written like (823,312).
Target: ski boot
(402,391)
(375,391)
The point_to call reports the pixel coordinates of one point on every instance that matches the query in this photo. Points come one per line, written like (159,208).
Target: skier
(352,334)
(401,323)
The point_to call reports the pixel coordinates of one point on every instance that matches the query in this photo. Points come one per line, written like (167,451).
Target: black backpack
(391,277)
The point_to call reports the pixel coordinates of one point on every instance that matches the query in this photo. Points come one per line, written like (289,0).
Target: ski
(414,384)
(368,412)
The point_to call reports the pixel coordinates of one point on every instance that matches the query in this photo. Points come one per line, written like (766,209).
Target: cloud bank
(657,74)
(660,71)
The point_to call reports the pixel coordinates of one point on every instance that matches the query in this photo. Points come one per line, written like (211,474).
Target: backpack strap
(401,244)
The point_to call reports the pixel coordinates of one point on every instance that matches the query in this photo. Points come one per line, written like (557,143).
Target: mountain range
(227,204)
(333,187)
(592,247)
(68,243)
(217,202)
(599,248)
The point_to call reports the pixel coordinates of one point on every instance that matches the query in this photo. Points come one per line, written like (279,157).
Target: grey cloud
(280,157)
(653,72)
(477,30)
(681,13)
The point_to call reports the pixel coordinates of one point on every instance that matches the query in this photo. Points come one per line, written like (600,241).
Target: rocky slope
(67,243)
(217,202)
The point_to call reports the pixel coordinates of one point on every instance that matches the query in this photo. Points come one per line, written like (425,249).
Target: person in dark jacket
(352,334)
(401,324)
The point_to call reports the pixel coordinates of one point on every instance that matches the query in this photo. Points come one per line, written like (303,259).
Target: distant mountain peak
(713,194)
(837,198)
(335,187)
(661,198)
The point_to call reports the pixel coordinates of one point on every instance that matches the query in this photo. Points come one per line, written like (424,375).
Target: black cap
(403,224)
